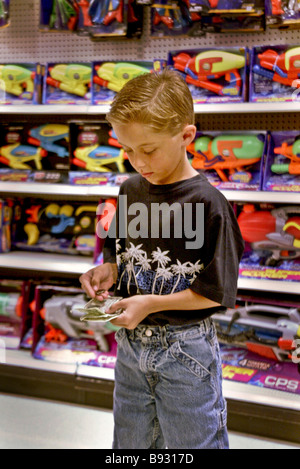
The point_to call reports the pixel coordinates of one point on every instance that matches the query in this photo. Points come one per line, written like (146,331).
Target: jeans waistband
(169,333)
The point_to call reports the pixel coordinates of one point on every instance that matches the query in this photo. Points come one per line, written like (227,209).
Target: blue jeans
(168,389)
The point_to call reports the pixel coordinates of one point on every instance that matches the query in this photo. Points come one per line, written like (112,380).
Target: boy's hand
(99,279)
(135,309)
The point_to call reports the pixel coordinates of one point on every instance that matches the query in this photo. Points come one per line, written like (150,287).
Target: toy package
(6,211)
(282,171)
(267,327)
(230,6)
(95,149)
(175,18)
(243,366)
(110,77)
(272,236)
(94,18)
(274,73)
(230,160)
(66,228)
(20,83)
(4,13)
(213,75)
(61,336)
(15,314)
(67,83)
(283,14)
(41,151)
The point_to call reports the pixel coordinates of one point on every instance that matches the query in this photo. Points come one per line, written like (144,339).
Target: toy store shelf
(67,190)
(44,262)
(279,286)
(223,108)
(35,188)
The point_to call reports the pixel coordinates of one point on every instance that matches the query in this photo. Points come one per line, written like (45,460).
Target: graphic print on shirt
(155,276)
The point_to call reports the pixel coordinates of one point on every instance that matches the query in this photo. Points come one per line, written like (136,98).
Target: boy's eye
(149,152)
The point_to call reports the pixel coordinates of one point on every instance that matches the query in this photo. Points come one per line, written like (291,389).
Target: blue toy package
(94,148)
(20,83)
(67,83)
(110,77)
(213,75)
(282,171)
(33,148)
(274,73)
(230,160)
(63,228)
(238,6)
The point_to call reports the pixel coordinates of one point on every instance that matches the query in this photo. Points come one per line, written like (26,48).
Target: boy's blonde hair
(160,100)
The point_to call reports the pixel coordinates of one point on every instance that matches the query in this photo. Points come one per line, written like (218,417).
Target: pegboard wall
(23,41)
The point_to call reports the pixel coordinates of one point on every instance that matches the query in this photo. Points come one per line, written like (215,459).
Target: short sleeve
(224,247)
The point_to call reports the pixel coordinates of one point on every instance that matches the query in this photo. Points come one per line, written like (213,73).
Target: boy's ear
(189,134)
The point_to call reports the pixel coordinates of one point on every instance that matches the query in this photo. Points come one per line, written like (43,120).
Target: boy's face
(158,157)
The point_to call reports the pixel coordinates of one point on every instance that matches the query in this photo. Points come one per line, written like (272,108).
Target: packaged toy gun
(226,152)
(71,78)
(11,305)
(59,220)
(291,152)
(46,137)
(277,231)
(269,331)
(95,158)
(284,68)
(17,80)
(106,11)
(63,318)
(114,75)
(17,156)
(212,64)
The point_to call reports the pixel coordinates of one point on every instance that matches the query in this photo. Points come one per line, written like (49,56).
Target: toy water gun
(281,68)
(115,75)
(11,305)
(95,158)
(16,156)
(277,231)
(45,136)
(17,80)
(212,64)
(226,152)
(59,220)
(291,152)
(71,78)
(267,330)
(63,321)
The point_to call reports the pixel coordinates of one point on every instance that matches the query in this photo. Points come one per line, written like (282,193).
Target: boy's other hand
(97,281)
(136,308)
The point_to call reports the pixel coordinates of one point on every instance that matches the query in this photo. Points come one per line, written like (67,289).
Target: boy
(175,262)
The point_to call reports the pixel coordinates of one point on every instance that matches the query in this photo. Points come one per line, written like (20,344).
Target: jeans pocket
(120,334)
(196,363)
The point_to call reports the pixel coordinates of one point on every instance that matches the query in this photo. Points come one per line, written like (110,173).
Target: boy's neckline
(163,188)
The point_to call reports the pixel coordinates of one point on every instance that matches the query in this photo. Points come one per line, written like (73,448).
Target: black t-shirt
(168,238)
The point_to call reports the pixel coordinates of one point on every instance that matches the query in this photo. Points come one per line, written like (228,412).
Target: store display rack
(254,410)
